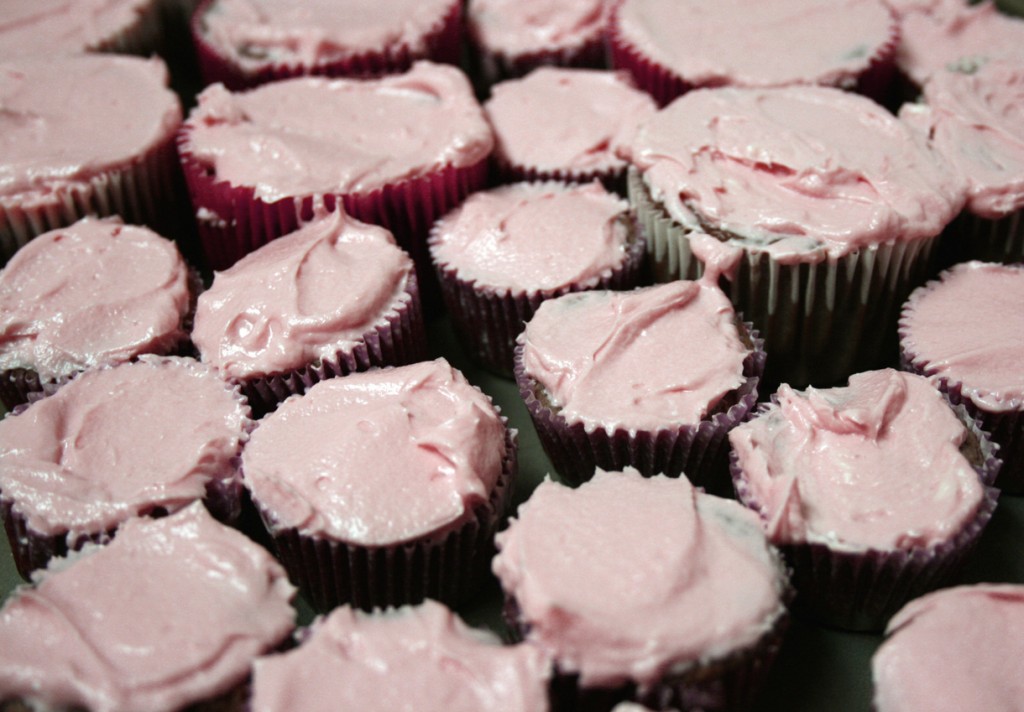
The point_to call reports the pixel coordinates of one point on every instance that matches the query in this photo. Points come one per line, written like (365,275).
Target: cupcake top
(917,667)
(65,119)
(377,458)
(976,121)
(96,293)
(119,442)
(313,135)
(255,33)
(650,576)
(781,43)
(519,27)
(873,465)
(355,660)
(613,359)
(41,27)
(949,331)
(534,236)
(567,120)
(802,173)
(301,298)
(171,613)
(938,35)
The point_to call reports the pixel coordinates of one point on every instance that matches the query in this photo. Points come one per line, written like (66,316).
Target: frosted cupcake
(383,488)
(242,44)
(167,617)
(965,331)
(145,438)
(504,251)
(656,592)
(334,297)
(875,492)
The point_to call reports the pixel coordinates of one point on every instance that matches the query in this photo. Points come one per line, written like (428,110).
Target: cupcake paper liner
(447,566)
(822,321)
(493,67)
(506,171)
(488,320)
(442,43)
(675,449)
(971,237)
(860,591)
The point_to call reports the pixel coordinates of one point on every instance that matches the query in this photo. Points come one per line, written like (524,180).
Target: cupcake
(655,592)
(965,331)
(144,438)
(651,379)
(167,617)
(243,43)
(383,488)
(875,492)
(671,47)
(86,135)
(974,120)
(334,297)
(423,656)
(953,650)
(504,251)
(96,293)
(565,124)
(828,206)
(399,151)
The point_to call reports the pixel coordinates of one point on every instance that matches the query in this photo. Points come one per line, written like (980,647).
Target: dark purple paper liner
(448,565)
(860,591)
(399,338)
(493,67)
(487,320)
(971,237)
(665,85)
(506,171)
(442,43)
(674,450)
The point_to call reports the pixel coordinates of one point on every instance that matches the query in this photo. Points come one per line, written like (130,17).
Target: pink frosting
(953,33)
(803,173)
(649,577)
(118,442)
(171,613)
(613,359)
(43,27)
(66,119)
(255,32)
(953,650)
(95,293)
(875,465)
(377,458)
(976,121)
(518,27)
(969,328)
(735,42)
(314,135)
(566,119)
(354,660)
(534,236)
(301,298)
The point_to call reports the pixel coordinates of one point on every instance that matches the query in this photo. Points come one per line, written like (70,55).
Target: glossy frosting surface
(613,359)
(534,237)
(803,173)
(382,662)
(41,27)
(377,458)
(517,27)
(733,42)
(114,443)
(301,297)
(66,119)
(254,32)
(314,135)
(681,578)
(171,613)
(566,119)
(953,650)
(872,465)
(950,329)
